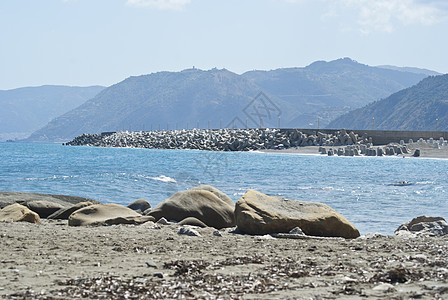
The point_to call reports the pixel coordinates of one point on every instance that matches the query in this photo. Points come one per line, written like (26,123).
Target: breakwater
(220,139)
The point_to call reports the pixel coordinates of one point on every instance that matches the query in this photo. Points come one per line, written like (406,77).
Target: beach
(152,261)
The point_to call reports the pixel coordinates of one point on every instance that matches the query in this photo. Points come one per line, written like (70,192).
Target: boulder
(416,153)
(257,213)
(423,225)
(100,214)
(140,205)
(43,208)
(64,213)
(192,222)
(215,191)
(18,213)
(200,204)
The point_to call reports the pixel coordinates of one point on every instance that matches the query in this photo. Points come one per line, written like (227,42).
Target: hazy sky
(101,42)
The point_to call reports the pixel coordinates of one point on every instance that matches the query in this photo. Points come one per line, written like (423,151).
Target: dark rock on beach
(140,205)
(257,213)
(192,222)
(426,226)
(64,213)
(43,208)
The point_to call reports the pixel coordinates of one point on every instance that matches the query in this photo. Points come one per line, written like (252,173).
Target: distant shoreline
(426,151)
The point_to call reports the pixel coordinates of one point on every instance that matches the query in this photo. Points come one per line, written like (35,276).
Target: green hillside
(414,108)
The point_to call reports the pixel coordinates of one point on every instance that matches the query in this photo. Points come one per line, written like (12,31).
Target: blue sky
(101,42)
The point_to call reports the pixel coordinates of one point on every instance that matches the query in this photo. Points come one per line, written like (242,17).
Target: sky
(102,42)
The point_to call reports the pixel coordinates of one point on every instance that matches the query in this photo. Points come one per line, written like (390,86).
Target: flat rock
(64,213)
(43,208)
(100,214)
(7,198)
(18,213)
(257,213)
(200,204)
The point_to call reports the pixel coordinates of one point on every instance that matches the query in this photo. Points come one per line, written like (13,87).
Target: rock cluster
(366,149)
(424,225)
(219,140)
(204,206)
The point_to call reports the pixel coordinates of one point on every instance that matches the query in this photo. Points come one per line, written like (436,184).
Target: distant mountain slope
(411,70)
(414,108)
(165,99)
(329,89)
(25,110)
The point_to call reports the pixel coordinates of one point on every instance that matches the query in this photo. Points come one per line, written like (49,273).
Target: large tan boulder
(257,213)
(18,213)
(203,205)
(101,214)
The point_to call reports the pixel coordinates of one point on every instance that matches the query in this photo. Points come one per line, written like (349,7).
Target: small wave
(305,188)
(425,182)
(64,177)
(163,178)
(238,194)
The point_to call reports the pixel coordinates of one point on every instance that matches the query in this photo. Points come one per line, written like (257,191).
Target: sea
(360,188)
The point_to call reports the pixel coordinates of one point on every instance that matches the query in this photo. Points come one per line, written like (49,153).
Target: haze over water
(360,188)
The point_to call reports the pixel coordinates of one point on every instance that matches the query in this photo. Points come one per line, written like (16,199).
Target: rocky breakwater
(219,140)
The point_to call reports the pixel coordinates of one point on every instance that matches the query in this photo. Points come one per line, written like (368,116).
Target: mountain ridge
(297,97)
(25,110)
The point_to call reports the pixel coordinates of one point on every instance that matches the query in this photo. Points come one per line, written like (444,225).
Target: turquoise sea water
(357,187)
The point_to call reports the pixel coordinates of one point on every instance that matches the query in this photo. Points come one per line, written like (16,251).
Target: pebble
(188,231)
(384,287)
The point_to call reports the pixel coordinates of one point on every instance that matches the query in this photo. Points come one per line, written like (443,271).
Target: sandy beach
(151,261)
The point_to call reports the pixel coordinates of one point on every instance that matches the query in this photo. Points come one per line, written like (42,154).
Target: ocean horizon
(360,188)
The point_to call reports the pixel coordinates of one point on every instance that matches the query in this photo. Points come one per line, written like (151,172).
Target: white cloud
(159,4)
(385,15)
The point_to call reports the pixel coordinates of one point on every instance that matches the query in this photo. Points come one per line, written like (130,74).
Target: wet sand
(55,261)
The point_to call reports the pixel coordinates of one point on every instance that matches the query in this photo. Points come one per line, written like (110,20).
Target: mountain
(25,110)
(293,97)
(414,108)
(165,99)
(329,89)
(411,70)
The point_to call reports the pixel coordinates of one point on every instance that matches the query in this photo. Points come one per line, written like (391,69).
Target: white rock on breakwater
(218,140)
